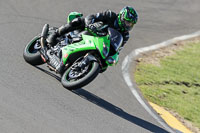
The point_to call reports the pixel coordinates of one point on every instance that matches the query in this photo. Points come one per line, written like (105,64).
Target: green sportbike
(82,54)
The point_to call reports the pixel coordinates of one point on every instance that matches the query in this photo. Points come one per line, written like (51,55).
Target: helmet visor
(128,25)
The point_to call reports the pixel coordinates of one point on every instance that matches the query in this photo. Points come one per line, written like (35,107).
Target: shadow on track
(111,108)
(118,111)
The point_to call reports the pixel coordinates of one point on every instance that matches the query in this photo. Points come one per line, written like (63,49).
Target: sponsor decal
(66,55)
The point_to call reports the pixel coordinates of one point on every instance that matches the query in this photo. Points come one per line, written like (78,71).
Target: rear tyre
(90,73)
(31,52)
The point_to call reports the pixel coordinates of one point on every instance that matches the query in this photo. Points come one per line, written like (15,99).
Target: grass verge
(170,77)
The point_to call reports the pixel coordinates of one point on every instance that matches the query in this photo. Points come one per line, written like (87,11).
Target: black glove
(97,28)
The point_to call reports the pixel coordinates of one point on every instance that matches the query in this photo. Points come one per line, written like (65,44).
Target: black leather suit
(107,17)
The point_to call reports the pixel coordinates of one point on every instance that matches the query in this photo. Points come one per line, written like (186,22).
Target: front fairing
(116,39)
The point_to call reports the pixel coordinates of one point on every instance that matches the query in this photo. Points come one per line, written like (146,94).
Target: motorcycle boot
(52,38)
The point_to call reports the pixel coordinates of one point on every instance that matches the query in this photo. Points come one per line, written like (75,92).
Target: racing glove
(97,28)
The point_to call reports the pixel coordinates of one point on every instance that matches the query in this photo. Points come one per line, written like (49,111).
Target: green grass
(175,84)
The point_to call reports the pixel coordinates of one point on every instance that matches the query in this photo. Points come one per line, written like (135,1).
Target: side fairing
(88,43)
(75,48)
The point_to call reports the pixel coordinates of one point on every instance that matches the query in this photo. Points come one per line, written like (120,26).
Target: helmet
(127,18)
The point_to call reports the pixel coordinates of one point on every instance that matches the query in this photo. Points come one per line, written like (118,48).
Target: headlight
(110,60)
(105,50)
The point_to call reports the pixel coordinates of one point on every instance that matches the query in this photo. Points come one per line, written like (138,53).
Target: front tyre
(31,52)
(75,78)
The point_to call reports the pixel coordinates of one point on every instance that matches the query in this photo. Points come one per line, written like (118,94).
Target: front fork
(87,59)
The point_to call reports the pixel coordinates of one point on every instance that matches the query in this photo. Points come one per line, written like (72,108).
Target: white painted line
(125,71)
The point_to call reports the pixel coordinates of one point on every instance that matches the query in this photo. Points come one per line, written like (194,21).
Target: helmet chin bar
(128,25)
(128,28)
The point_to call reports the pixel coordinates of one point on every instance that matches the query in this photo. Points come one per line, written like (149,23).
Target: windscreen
(116,38)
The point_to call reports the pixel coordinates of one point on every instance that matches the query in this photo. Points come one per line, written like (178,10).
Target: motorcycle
(82,55)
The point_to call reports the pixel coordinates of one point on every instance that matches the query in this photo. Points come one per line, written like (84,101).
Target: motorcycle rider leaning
(123,22)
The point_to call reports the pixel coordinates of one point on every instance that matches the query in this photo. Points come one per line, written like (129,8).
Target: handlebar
(99,31)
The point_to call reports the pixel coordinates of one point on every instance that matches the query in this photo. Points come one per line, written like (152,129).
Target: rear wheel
(78,76)
(31,52)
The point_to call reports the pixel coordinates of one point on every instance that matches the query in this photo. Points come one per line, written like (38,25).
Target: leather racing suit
(107,17)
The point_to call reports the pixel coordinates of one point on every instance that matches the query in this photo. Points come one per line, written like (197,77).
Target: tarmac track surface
(33,100)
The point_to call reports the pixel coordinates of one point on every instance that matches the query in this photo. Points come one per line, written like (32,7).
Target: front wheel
(76,77)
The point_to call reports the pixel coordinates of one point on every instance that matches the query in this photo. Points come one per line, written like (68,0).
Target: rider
(123,22)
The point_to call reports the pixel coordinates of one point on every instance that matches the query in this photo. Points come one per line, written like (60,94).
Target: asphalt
(33,100)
